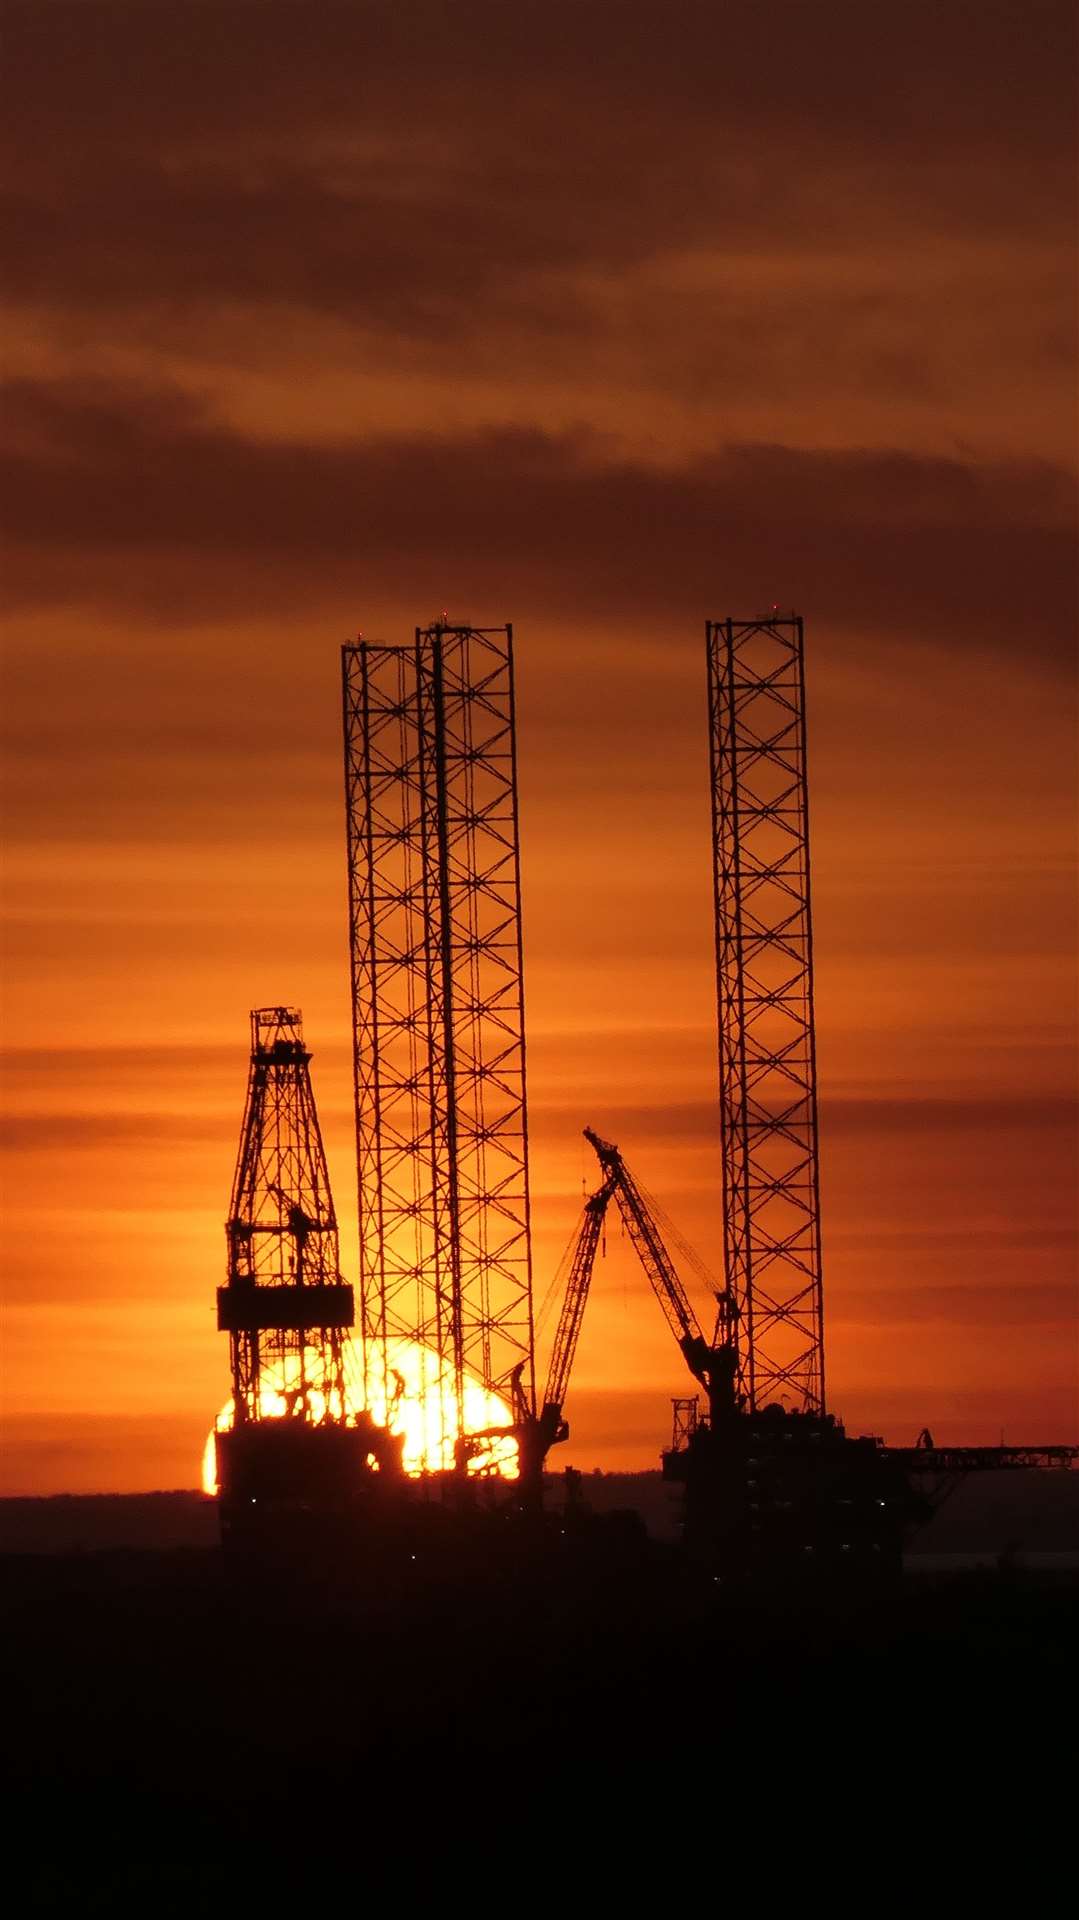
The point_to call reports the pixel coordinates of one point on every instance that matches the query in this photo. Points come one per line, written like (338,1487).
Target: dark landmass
(593,1721)
(102,1522)
(1031,1516)
(90,1523)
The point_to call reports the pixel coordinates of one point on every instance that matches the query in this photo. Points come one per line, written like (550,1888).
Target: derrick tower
(292,1446)
(438,1026)
(767,1047)
(284,1306)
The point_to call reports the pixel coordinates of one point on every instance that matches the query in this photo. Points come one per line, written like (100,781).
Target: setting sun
(420,1406)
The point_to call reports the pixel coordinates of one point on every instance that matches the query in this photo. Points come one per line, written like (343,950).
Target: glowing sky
(601,318)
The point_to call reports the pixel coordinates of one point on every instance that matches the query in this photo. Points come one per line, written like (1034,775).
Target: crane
(713,1363)
(537,1434)
(764,1488)
(573,1306)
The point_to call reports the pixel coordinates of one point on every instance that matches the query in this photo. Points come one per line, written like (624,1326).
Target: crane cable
(558,1285)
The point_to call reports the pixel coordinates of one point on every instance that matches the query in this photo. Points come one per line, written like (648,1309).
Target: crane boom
(576,1295)
(713,1365)
(647,1243)
(537,1433)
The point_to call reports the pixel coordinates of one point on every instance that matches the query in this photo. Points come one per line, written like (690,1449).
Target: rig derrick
(292,1446)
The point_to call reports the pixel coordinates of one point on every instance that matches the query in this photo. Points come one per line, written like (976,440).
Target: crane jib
(714,1366)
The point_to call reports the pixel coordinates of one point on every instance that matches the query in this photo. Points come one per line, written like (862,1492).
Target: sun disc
(420,1405)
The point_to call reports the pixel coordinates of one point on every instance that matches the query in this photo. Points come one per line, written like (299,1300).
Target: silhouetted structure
(764,969)
(538,1436)
(284,1306)
(438,1022)
(685,1417)
(711,1361)
(776,1492)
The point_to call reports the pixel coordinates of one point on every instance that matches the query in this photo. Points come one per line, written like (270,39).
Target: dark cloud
(412,168)
(129,497)
(117,72)
(77,1132)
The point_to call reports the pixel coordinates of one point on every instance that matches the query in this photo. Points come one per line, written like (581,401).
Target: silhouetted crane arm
(713,1366)
(645,1236)
(575,1299)
(538,1432)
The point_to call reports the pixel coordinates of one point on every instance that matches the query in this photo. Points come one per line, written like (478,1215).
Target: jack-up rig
(771,1479)
(769,1472)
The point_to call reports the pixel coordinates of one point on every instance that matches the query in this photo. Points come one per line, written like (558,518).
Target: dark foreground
(551,1730)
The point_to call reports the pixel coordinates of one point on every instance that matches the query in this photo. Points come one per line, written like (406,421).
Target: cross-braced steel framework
(285,1305)
(438,1020)
(764,966)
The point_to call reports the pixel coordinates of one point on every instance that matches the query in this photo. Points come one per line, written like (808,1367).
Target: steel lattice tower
(767,1049)
(438,1018)
(285,1305)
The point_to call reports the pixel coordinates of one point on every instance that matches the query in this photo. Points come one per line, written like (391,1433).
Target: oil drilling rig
(284,1305)
(442,1132)
(770,1476)
(772,1479)
(441,1127)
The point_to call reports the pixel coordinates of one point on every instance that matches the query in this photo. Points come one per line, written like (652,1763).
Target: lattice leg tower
(767,1048)
(438,1020)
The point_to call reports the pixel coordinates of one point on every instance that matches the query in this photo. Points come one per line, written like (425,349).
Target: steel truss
(285,1306)
(764,966)
(438,1021)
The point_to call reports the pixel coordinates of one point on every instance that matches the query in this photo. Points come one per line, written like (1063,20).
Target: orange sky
(600,321)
